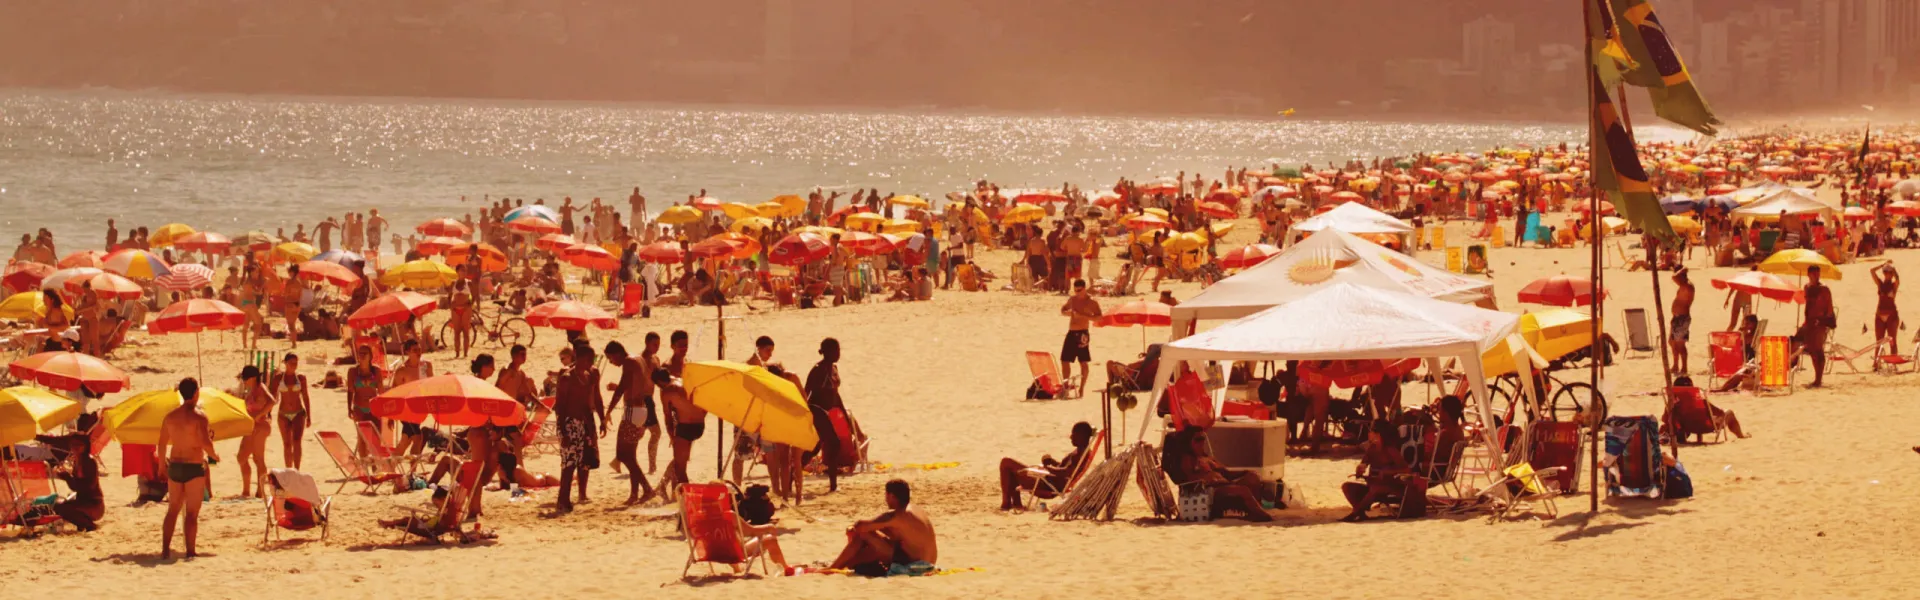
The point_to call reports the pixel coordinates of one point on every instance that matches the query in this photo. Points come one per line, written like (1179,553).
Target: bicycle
(1562,400)
(502,332)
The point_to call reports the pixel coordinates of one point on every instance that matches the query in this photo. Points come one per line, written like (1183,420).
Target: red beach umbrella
(1558,290)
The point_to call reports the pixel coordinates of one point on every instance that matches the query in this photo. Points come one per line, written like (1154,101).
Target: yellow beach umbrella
(420,275)
(864,221)
(27,306)
(753,399)
(751,223)
(1184,241)
(772,209)
(1683,224)
(791,205)
(294,252)
(901,227)
(27,411)
(1797,261)
(136,420)
(1221,228)
(1556,332)
(1159,212)
(739,211)
(678,215)
(1498,360)
(909,201)
(167,234)
(1025,213)
(824,232)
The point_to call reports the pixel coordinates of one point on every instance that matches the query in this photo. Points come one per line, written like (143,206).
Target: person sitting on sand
(1723,415)
(1380,472)
(1189,462)
(81,472)
(901,536)
(1015,476)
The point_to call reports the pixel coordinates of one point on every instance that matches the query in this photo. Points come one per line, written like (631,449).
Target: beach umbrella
(205,242)
(751,224)
(823,232)
(1558,290)
(392,308)
(1025,213)
(25,275)
(1352,374)
(663,252)
(108,286)
(736,210)
(57,280)
(1797,261)
(752,399)
(570,315)
(1163,185)
(1683,224)
(315,270)
(711,249)
(1763,284)
(453,400)
(1158,212)
(185,277)
(555,242)
(438,244)
(790,206)
(589,256)
(341,257)
(137,420)
(1247,256)
(1105,199)
(1722,189)
(1556,332)
(1903,208)
(83,258)
(1184,241)
(29,306)
(444,228)
(1147,221)
(534,225)
(68,371)
(293,252)
(744,246)
(1855,213)
(902,226)
(27,411)
(135,264)
(1039,197)
(799,249)
(1678,204)
(194,316)
(256,241)
(772,209)
(678,215)
(862,243)
(492,260)
(420,274)
(1145,313)
(909,201)
(537,211)
(1606,208)
(1218,210)
(864,220)
(705,204)
(168,234)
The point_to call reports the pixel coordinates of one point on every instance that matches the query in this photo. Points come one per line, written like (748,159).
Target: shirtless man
(1081,310)
(414,369)
(638,205)
(1886,315)
(375,225)
(514,380)
(1819,322)
(324,231)
(639,410)
(356,235)
(1682,321)
(186,448)
(576,404)
(1036,258)
(650,430)
(903,535)
(689,425)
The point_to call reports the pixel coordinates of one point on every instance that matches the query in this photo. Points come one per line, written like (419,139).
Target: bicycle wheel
(1573,398)
(513,331)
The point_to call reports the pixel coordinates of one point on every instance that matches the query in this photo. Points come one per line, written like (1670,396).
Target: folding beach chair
(533,438)
(1688,414)
(1043,486)
(1638,338)
(294,503)
(1839,354)
(431,522)
(1524,486)
(1887,363)
(352,468)
(1046,375)
(1729,354)
(26,494)
(1632,462)
(713,530)
(1777,363)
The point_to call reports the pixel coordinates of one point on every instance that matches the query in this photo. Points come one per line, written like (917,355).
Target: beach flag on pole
(1616,166)
(1656,65)
(1860,161)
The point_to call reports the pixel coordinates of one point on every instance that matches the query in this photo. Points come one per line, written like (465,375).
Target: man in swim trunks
(1819,322)
(1681,327)
(1081,310)
(576,403)
(186,448)
(689,424)
(639,409)
(901,536)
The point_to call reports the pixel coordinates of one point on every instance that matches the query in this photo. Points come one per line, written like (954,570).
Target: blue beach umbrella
(537,210)
(340,257)
(1677,204)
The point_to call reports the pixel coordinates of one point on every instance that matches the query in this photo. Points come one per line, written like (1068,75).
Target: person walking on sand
(253,447)
(1886,315)
(1081,310)
(639,411)
(1819,323)
(689,425)
(296,410)
(186,448)
(1682,322)
(576,403)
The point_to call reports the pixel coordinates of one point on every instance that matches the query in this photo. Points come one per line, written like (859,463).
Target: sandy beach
(1816,503)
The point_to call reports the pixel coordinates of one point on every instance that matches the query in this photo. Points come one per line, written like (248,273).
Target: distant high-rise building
(1903,41)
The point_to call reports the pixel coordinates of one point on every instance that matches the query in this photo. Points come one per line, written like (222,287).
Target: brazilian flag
(1616,165)
(1657,66)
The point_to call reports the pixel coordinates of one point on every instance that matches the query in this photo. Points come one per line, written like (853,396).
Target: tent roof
(1301,270)
(1347,321)
(1795,201)
(1354,217)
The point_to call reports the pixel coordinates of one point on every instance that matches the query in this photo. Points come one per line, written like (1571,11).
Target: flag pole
(1596,276)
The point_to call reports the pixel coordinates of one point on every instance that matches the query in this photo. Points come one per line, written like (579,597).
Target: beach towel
(1632,460)
(137,460)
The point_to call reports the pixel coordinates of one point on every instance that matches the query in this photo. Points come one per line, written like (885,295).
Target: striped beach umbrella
(185,277)
(136,264)
(83,258)
(444,228)
(537,210)
(68,371)
(340,257)
(319,270)
(57,280)
(570,315)
(107,285)
(204,241)
(392,309)
(534,225)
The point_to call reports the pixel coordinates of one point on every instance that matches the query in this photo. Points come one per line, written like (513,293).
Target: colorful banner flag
(1658,67)
(1860,162)
(1616,165)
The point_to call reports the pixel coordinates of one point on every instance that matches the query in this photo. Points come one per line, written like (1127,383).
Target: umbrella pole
(720,353)
(1598,289)
(199,364)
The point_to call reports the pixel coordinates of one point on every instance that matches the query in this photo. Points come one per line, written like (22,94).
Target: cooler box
(1258,446)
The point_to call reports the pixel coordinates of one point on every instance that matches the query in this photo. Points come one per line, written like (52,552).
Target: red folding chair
(351,467)
(713,529)
(1046,373)
(1729,354)
(1688,413)
(22,483)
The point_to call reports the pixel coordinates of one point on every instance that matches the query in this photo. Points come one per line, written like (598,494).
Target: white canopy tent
(1352,217)
(1328,258)
(1351,322)
(1789,201)
(1757,191)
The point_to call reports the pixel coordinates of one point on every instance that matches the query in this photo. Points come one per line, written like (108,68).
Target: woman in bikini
(290,295)
(462,307)
(364,381)
(296,409)
(1886,314)
(253,447)
(247,294)
(55,320)
(86,319)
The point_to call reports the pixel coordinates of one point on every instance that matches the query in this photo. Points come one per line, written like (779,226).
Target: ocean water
(69,161)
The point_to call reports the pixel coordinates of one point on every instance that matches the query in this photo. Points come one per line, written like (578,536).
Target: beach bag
(848,453)
(1679,484)
(755,507)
